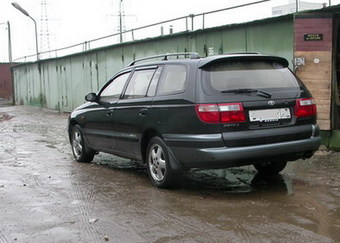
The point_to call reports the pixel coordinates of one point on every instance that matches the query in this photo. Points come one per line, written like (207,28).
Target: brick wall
(6,88)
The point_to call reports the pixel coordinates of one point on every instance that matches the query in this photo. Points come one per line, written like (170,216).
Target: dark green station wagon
(179,111)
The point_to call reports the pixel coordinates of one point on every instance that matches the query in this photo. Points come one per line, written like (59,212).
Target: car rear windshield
(264,75)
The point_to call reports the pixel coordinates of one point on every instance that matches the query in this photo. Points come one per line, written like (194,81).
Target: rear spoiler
(247,57)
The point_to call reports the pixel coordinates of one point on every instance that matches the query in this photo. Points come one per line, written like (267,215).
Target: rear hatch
(258,100)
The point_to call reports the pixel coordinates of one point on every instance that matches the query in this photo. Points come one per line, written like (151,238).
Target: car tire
(270,168)
(158,165)
(80,150)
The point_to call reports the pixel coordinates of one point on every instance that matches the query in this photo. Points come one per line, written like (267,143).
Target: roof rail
(191,55)
(240,53)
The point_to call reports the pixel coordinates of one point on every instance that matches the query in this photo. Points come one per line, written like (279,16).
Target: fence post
(203,20)
(192,21)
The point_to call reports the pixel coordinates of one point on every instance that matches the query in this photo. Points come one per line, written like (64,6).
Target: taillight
(305,107)
(221,113)
(231,113)
(208,113)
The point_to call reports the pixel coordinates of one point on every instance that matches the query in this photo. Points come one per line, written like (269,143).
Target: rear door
(133,108)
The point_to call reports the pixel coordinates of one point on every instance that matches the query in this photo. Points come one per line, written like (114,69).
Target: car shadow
(240,180)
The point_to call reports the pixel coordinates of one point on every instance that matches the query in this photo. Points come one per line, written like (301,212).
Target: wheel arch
(71,124)
(147,136)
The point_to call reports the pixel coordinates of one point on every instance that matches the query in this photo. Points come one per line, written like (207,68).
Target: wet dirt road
(47,197)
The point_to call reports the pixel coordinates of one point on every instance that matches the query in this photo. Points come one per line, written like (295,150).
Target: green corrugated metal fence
(62,83)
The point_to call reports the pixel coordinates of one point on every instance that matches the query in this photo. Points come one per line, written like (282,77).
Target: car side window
(173,79)
(154,82)
(114,89)
(139,83)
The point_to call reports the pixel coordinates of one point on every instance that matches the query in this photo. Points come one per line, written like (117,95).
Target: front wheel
(270,168)
(80,151)
(158,165)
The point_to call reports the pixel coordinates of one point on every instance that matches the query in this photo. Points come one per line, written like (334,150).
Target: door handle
(109,113)
(143,111)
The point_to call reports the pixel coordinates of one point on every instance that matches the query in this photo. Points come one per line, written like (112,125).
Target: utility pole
(9,41)
(44,31)
(121,10)
(10,59)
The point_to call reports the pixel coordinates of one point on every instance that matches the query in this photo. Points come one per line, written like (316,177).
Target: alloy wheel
(77,144)
(157,163)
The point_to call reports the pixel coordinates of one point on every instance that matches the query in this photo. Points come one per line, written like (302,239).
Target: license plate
(269,115)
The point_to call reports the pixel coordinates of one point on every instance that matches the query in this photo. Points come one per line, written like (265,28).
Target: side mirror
(92,97)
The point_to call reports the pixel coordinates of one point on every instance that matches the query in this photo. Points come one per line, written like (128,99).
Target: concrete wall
(62,83)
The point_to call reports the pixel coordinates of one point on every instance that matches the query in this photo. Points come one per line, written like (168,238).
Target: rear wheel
(80,151)
(270,168)
(158,165)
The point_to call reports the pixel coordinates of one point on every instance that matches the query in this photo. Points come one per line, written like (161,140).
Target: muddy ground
(47,197)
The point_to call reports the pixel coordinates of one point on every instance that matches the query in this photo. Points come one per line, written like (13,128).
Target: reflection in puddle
(279,182)
(238,180)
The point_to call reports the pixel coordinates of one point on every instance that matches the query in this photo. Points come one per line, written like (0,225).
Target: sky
(76,21)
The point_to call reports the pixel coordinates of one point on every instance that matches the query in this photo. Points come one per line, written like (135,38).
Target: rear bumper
(224,157)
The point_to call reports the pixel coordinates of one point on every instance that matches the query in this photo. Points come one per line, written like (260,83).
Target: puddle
(5,117)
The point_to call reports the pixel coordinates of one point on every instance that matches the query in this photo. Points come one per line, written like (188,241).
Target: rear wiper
(244,91)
